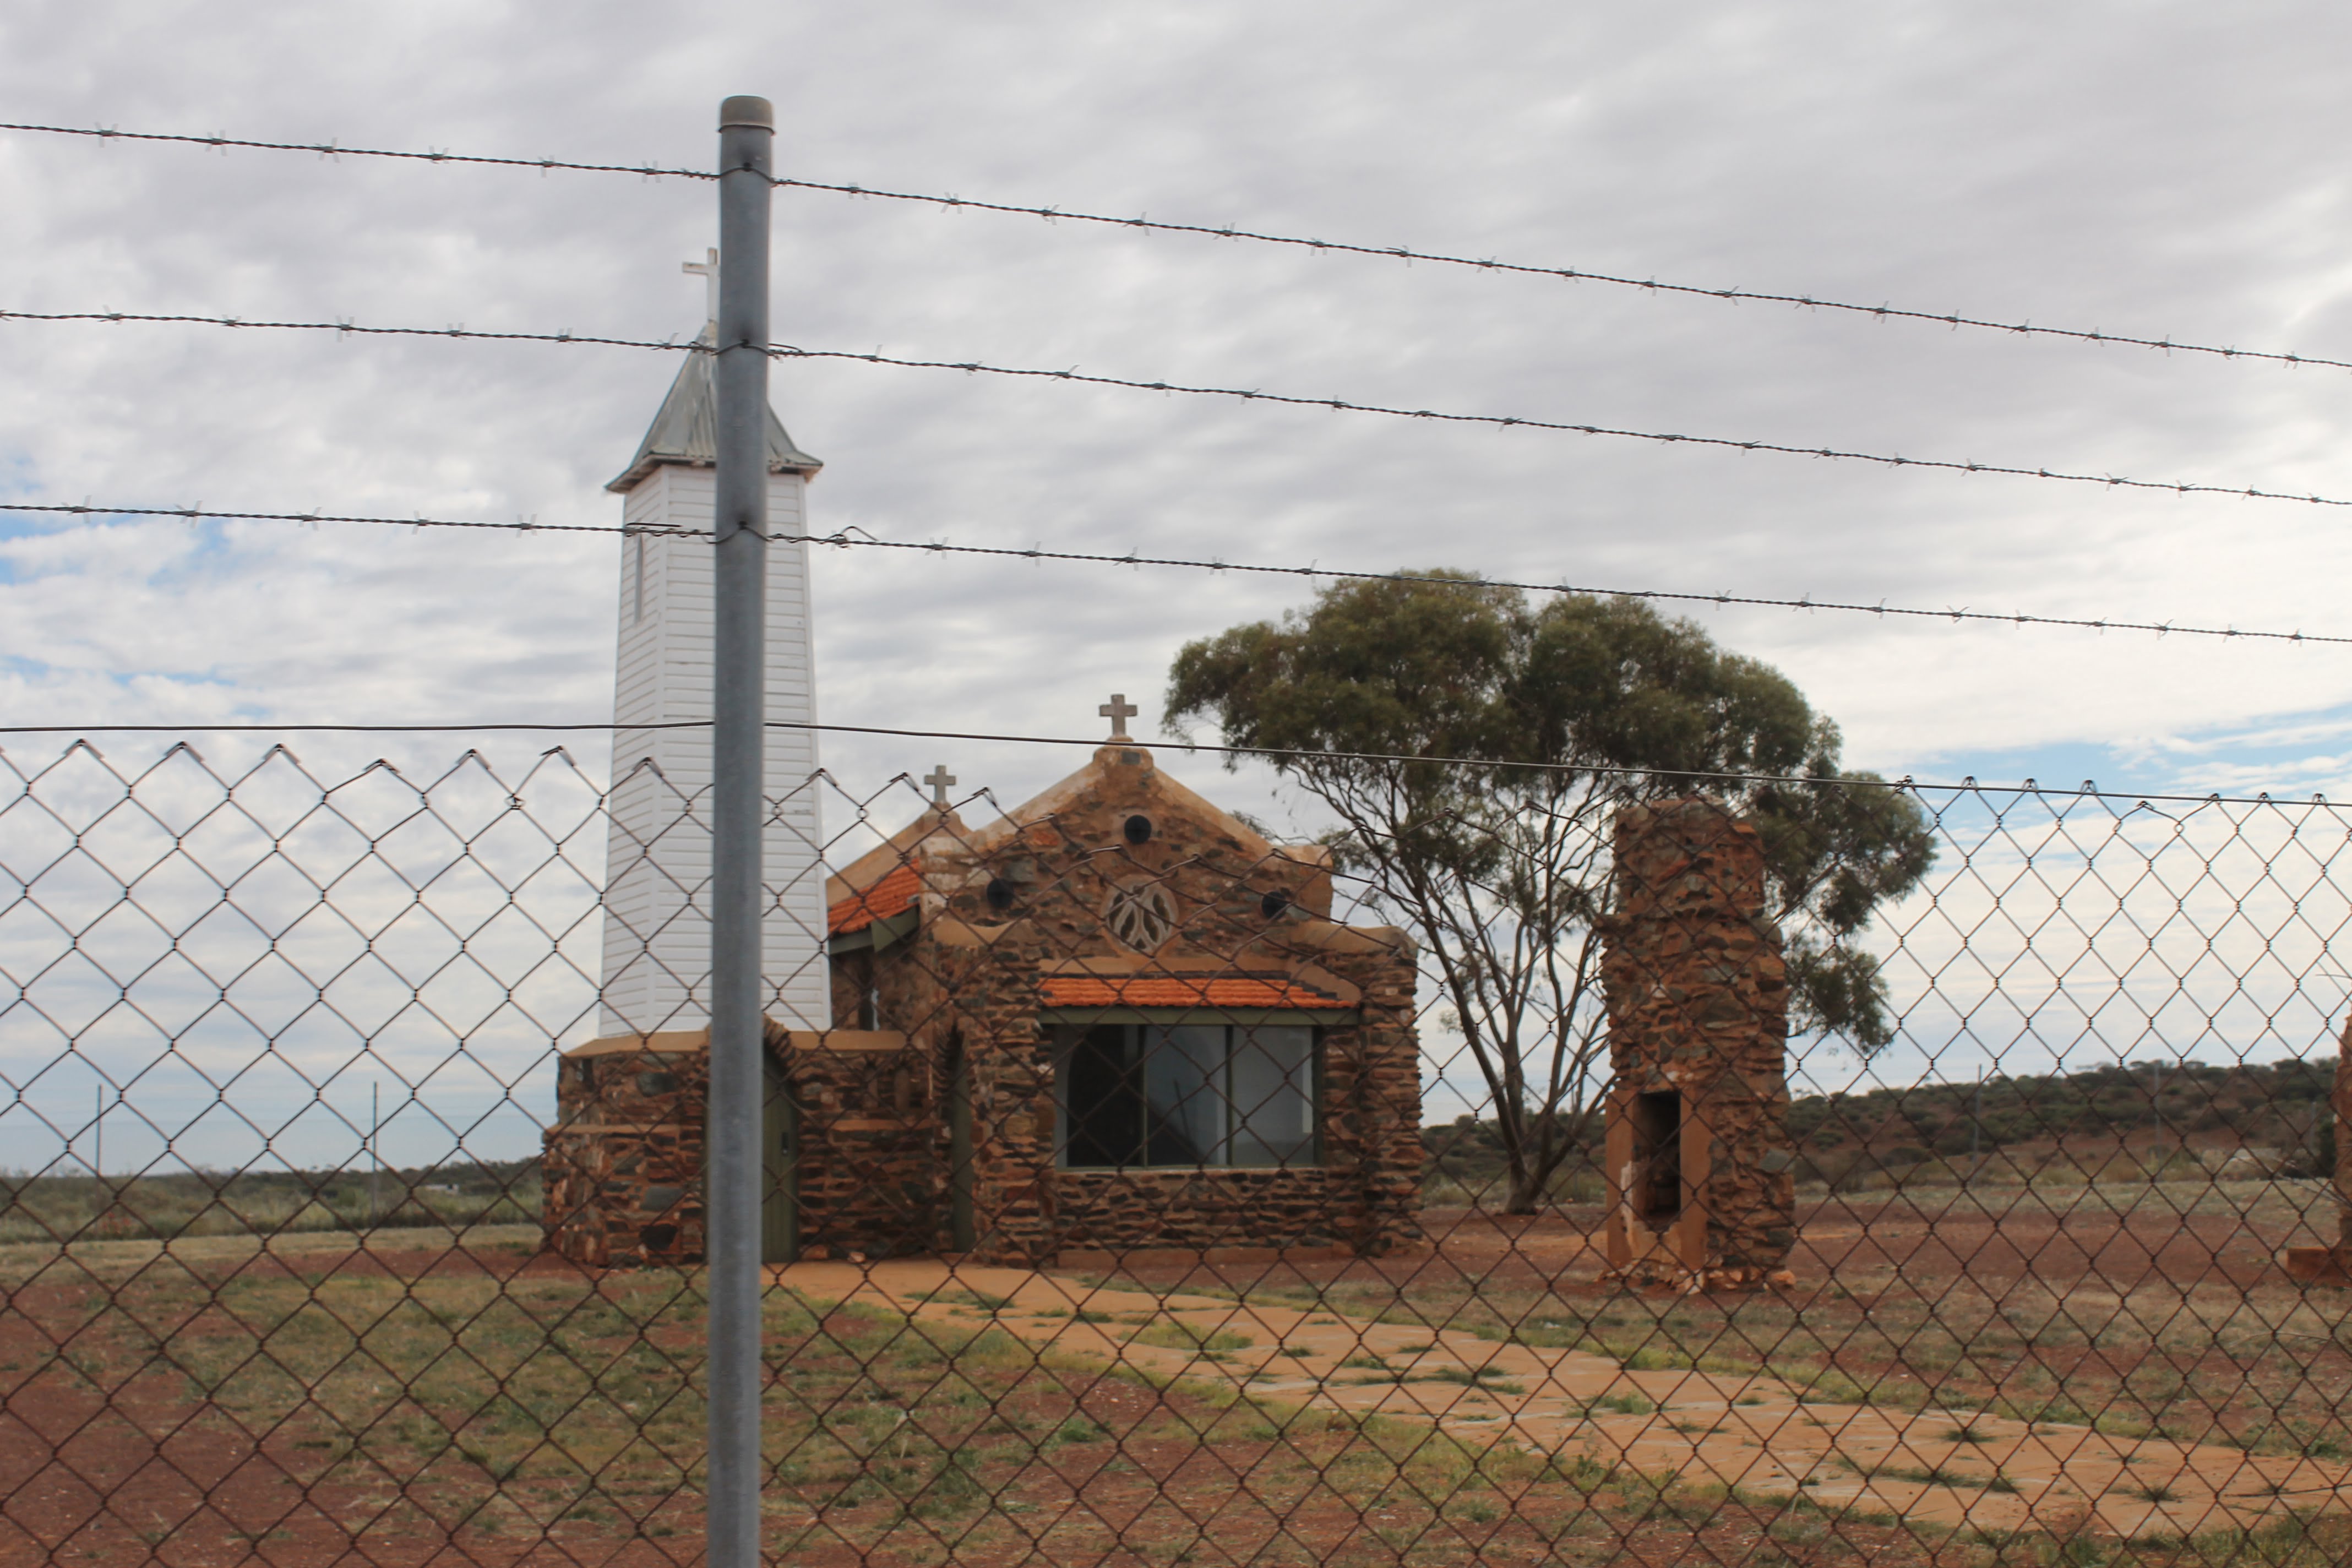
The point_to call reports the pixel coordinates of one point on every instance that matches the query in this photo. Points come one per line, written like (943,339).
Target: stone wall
(1363,1194)
(1012,1090)
(1205,1210)
(976,989)
(865,1172)
(1371,1109)
(1696,995)
(1004,914)
(1055,872)
(622,1165)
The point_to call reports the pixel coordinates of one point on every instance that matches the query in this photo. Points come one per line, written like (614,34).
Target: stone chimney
(1700,1164)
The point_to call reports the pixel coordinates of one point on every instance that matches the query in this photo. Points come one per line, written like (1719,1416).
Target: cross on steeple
(1119,710)
(710,272)
(939,778)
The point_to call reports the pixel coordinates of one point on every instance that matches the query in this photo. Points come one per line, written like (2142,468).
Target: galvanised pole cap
(746,111)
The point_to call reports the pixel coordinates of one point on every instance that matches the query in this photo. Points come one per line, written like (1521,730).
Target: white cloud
(2000,160)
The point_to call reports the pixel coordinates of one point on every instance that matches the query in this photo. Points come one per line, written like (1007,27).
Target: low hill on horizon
(2125,1119)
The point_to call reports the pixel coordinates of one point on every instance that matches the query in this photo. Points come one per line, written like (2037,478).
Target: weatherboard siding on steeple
(657,934)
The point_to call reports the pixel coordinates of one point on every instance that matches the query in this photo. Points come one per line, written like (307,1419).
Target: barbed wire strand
(1883,312)
(860,538)
(1246,395)
(96,509)
(336,149)
(1950,320)
(1968,784)
(1503,421)
(345,328)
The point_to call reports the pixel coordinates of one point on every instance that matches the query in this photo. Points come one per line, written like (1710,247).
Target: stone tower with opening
(1702,1191)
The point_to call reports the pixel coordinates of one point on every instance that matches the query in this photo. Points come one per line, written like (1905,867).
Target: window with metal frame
(1132,1095)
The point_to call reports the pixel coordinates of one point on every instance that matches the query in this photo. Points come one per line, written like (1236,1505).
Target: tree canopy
(1551,716)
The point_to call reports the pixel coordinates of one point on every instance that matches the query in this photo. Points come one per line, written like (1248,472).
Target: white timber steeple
(657,957)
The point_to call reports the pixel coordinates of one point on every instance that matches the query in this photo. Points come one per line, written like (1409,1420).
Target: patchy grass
(1945,1476)
(1471,1377)
(527,1405)
(49,1211)
(2103,1304)
(1175,1335)
(549,1407)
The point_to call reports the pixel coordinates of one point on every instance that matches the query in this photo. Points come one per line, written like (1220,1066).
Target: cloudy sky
(2142,169)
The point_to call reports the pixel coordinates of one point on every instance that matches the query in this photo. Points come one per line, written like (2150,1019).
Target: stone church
(1116,1018)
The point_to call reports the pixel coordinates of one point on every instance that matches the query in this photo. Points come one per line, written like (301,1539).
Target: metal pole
(739,708)
(375,1156)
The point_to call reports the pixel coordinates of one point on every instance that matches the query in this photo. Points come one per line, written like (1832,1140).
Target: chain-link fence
(1700,1171)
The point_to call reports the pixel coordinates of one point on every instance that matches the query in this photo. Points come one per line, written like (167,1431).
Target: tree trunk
(1526,1194)
(1530,1176)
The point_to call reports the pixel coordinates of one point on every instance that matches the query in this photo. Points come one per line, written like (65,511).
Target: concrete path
(1949,1467)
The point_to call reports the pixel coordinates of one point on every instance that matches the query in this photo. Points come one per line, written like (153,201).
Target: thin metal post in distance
(739,702)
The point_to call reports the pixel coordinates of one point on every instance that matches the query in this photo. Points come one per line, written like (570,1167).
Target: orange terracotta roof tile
(893,894)
(1184,991)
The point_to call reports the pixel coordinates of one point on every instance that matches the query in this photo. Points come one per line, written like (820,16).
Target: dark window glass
(1102,1097)
(1186,1094)
(1658,1154)
(1186,1111)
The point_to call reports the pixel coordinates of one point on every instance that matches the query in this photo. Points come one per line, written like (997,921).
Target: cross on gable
(710,272)
(1119,710)
(939,778)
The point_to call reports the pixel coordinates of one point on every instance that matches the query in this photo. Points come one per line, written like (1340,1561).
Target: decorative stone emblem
(1141,915)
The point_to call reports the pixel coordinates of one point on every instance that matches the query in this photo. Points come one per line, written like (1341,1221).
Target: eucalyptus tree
(1475,747)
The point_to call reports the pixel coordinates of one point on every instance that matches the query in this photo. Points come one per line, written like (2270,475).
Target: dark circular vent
(1273,904)
(1000,893)
(1138,829)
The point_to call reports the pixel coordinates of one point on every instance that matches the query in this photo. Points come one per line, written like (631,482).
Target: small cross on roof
(939,778)
(710,271)
(1119,710)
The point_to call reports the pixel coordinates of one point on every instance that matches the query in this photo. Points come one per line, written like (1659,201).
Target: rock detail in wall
(623,1164)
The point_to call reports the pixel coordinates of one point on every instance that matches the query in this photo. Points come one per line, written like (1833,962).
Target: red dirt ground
(109,1455)
(2061,1242)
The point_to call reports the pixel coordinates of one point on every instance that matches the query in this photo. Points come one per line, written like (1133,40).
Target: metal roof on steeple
(685,431)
